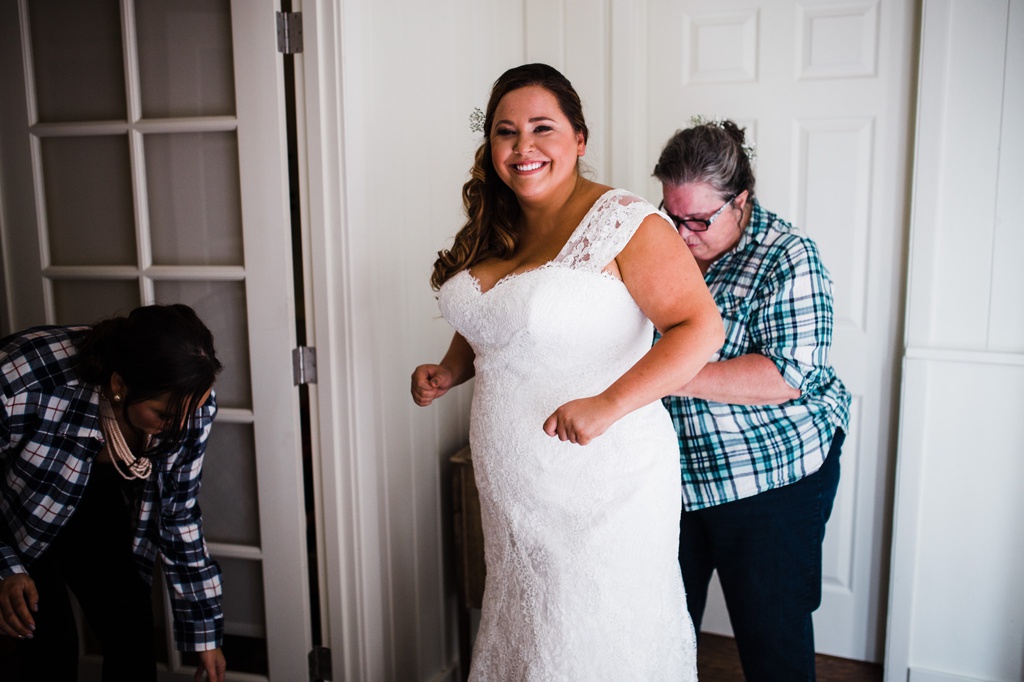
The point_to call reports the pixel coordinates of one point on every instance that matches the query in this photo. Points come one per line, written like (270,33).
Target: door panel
(144,161)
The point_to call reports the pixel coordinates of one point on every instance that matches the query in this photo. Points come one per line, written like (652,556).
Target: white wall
(956,600)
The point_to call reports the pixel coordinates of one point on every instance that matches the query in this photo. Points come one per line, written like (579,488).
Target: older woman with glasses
(760,426)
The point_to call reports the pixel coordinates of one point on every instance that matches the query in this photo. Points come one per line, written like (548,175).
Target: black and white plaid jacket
(49,438)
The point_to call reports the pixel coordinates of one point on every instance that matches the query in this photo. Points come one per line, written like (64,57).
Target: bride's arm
(664,280)
(433,381)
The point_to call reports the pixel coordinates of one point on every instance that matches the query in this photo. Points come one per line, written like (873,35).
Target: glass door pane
(89,214)
(185,58)
(195,206)
(76,55)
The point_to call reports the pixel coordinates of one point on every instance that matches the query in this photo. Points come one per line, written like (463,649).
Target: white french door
(823,88)
(144,160)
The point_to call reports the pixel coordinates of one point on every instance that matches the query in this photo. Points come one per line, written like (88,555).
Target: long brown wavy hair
(492,211)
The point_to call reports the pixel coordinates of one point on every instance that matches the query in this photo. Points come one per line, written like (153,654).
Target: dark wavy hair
(157,350)
(708,153)
(492,210)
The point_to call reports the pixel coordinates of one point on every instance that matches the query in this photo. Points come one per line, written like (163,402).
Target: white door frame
(351,572)
(259,78)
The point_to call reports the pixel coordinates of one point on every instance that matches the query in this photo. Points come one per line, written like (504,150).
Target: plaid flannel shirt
(775,297)
(49,438)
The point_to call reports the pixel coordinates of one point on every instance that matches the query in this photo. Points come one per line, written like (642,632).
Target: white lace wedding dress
(583,580)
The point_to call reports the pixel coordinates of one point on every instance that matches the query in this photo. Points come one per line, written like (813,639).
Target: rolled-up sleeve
(193,578)
(792,319)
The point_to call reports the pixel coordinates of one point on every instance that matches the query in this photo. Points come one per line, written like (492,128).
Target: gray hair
(712,153)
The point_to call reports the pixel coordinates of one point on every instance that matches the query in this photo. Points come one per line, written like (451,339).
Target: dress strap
(606,229)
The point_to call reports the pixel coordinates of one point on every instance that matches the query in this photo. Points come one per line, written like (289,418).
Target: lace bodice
(568,314)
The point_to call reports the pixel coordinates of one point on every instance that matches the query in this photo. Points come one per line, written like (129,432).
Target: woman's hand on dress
(18,599)
(213,664)
(430,382)
(581,421)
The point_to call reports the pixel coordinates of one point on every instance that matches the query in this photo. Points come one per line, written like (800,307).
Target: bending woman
(760,427)
(102,437)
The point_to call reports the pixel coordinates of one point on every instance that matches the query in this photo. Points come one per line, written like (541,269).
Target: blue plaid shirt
(50,437)
(775,297)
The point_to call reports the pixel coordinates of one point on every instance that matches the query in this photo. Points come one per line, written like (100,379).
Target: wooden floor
(717,661)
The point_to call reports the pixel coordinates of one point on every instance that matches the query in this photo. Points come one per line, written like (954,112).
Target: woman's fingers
(577,421)
(430,382)
(18,599)
(423,392)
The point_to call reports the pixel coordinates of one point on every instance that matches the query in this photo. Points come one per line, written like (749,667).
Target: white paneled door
(144,160)
(823,88)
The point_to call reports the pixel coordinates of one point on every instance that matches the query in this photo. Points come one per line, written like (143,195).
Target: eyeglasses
(696,224)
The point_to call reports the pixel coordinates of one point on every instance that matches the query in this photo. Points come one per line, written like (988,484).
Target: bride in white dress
(554,286)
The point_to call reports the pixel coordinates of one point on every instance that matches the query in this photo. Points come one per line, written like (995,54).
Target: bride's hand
(581,421)
(430,382)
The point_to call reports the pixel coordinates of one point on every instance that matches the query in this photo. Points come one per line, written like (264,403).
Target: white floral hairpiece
(701,120)
(748,147)
(476,120)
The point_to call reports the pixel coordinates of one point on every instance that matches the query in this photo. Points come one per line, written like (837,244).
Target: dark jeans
(91,556)
(767,551)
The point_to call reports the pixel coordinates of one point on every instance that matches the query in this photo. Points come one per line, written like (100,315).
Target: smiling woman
(103,431)
(492,207)
(580,543)
(534,146)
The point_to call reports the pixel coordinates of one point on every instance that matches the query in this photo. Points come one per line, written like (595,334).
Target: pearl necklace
(137,467)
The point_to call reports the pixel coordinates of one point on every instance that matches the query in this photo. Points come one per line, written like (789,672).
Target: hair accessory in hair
(717,121)
(701,120)
(476,120)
